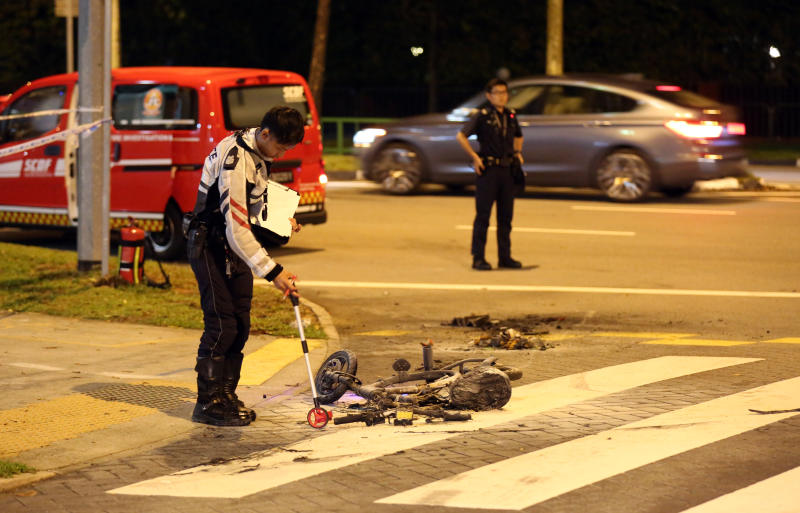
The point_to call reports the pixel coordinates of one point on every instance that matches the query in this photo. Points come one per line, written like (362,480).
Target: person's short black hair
(495,82)
(285,124)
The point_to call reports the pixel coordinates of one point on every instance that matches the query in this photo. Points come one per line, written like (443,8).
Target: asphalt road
(717,265)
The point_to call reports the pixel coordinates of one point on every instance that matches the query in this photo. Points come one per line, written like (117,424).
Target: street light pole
(555,37)
(93,152)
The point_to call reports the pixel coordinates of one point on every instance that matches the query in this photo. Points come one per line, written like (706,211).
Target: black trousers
(494,185)
(225,301)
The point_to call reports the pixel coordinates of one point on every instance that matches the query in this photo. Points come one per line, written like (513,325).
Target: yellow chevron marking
(696,342)
(264,363)
(785,340)
(384,333)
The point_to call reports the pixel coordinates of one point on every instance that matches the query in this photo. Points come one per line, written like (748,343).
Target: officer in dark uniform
(225,252)
(500,140)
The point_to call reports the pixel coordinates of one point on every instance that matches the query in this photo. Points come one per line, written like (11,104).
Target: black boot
(233,369)
(212,405)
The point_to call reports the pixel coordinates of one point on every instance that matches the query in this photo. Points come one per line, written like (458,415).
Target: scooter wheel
(328,390)
(318,418)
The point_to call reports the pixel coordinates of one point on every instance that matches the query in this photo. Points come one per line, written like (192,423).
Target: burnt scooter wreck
(470,384)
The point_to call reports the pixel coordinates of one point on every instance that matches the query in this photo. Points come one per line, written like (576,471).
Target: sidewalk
(80,391)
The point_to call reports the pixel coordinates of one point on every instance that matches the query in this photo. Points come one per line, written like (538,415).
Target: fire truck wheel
(169,244)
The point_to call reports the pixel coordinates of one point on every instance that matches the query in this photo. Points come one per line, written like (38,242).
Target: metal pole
(92,224)
(70,45)
(106,144)
(555,37)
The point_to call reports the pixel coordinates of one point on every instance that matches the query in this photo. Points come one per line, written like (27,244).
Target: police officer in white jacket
(224,254)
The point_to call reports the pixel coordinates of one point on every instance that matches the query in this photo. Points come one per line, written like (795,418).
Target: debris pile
(504,337)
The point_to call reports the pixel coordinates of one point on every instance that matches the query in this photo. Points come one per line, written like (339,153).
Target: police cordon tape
(50,112)
(82,130)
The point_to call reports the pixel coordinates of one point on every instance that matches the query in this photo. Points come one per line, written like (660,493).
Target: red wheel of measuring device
(318,418)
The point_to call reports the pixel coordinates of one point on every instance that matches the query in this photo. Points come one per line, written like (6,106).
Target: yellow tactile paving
(784,340)
(262,364)
(384,333)
(41,424)
(696,342)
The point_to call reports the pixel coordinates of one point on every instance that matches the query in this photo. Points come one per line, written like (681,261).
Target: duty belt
(498,161)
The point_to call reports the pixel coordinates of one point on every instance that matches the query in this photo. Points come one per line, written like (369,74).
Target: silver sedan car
(624,136)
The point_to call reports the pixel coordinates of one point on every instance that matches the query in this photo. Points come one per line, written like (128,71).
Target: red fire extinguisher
(131,254)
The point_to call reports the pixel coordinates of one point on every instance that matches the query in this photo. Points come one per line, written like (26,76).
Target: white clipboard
(280,204)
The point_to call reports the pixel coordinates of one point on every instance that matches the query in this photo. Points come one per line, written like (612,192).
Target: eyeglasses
(499,92)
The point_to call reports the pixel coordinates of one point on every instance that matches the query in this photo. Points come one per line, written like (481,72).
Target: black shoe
(213,407)
(480,264)
(233,369)
(510,263)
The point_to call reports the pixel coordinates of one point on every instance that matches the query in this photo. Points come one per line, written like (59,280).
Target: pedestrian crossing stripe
(780,489)
(561,468)
(350,444)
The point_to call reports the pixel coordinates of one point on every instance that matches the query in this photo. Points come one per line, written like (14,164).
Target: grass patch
(334,162)
(768,150)
(11,468)
(35,279)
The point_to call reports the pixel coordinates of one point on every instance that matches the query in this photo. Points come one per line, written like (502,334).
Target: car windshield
(245,106)
(685,98)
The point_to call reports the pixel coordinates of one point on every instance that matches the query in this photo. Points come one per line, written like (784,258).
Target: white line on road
(778,494)
(546,288)
(35,366)
(520,482)
(656,210)
(558,230)
(351,444)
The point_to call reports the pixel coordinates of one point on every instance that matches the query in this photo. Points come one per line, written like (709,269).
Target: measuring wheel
(318,417)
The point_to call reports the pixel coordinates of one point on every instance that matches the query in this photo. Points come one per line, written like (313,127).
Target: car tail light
(695,129)
(736,129)
(667,88)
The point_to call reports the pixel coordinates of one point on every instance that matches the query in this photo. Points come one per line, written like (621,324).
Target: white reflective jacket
(241,173)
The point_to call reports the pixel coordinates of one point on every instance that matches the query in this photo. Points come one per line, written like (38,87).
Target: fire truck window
(245,106)
(154,107)
(18,129)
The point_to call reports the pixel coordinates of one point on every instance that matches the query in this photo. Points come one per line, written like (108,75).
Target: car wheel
(624,175)
(677,191)
(398,168)
(169,243)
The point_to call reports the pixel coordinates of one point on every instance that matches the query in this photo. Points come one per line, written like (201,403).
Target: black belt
(498,161)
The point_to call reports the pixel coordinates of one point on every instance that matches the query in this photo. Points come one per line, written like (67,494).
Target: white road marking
(350,444)
(778,494)
(520,482)
(557,230)
(657,210)
(35,366)
(546,288)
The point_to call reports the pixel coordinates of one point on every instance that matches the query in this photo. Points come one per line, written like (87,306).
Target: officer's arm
(518,149)
(461,137)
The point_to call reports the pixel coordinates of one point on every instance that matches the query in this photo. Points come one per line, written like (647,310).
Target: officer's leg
(485,190)
(241,288)
(505,213)
(220,331)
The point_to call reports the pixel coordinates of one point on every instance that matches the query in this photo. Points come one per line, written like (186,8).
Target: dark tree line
(465,41)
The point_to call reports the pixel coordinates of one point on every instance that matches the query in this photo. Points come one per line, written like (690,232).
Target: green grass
(35,279)
(10,468)
(334,162)
(766,150)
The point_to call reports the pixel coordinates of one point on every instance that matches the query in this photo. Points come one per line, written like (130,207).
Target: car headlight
(364,138)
